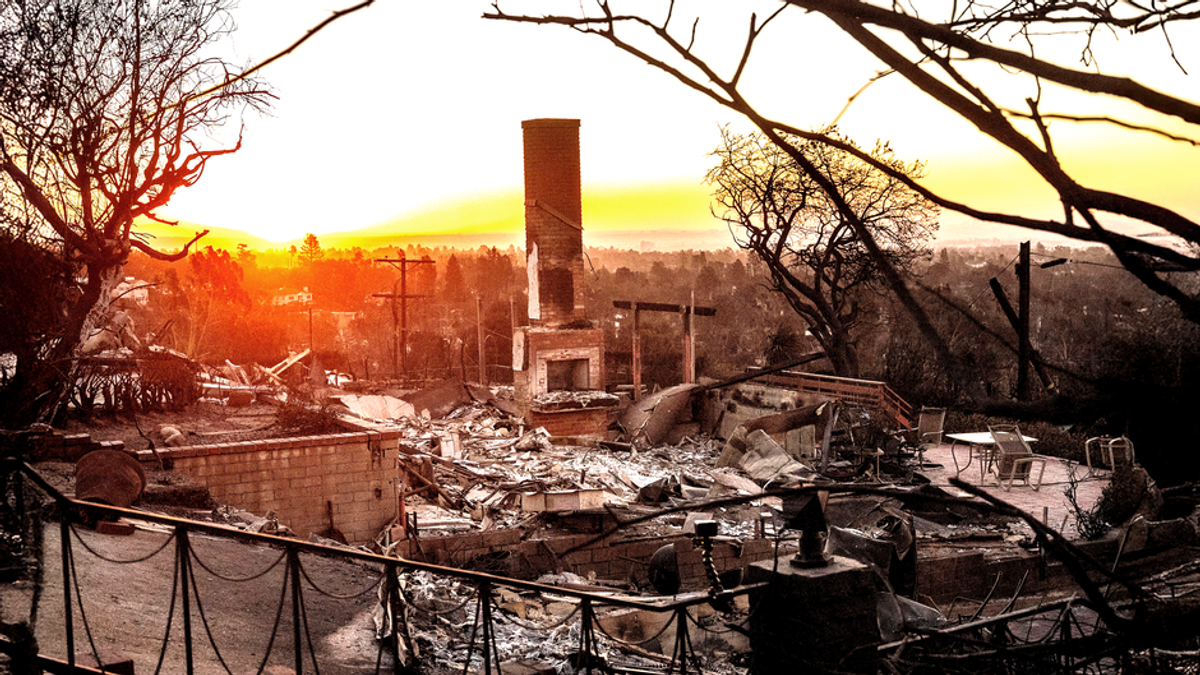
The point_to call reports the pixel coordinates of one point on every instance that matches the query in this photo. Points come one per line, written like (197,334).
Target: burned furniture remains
(1014,458)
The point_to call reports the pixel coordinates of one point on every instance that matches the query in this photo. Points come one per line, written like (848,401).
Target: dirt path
(239,590)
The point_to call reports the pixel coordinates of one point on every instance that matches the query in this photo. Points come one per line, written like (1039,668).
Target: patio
(1050,501)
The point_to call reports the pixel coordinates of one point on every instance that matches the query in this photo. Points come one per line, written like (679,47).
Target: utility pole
(479,339)
(1019,320)
(1024,347)
(400,322)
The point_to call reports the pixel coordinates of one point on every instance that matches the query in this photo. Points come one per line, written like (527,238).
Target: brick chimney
(558,359)
(553,222)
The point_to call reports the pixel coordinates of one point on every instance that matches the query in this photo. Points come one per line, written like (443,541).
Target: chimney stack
(553,222)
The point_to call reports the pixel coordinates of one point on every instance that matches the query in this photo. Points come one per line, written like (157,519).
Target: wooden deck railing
(870,394)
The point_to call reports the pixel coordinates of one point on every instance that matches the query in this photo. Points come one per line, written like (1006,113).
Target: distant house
(132,291)
(298,298)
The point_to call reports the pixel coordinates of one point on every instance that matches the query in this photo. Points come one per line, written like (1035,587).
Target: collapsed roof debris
(651,418)
(470,465)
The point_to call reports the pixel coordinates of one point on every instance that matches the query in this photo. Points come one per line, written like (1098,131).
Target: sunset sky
(403,110)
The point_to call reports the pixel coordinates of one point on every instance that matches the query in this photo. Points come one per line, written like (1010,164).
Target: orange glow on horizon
(1150,168)
(661,206)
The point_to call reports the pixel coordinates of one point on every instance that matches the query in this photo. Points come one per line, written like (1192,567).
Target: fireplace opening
(567,375)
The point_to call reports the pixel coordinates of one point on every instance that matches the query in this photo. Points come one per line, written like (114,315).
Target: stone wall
(945,576)
(301,479)
(516,553)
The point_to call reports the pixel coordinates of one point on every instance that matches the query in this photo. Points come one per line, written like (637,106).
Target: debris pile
(540,631)
(479,468)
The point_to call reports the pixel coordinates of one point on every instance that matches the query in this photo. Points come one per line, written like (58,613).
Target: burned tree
(930,55)
(815,257)
(105,111)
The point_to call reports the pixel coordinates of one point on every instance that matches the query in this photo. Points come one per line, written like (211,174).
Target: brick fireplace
(558,359)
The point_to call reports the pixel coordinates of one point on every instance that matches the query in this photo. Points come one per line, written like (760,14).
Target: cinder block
(577,557)
(504,538)
(110,661)
(605,553)
(643,549)
(116,527)
(469,541)
(527,667)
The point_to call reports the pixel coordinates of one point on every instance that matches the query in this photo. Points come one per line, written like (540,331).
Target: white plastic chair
(1108,446)
(1014,458)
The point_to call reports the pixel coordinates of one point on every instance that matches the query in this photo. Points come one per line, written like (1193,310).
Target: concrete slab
(1049,503)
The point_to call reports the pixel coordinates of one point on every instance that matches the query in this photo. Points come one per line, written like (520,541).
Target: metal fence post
(68,615)
(489,637)
(587,634)
(294,572)
(483,619)
(183,551)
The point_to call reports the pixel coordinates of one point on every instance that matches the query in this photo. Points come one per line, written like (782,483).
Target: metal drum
(109,477)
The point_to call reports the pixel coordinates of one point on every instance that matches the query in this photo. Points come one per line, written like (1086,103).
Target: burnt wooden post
(479,339)
(637,351)
(689,344)
(689,335)
(1019,320)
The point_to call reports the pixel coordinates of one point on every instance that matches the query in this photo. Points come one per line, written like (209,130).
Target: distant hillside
(509,232)
(659,218)
(171,238)
(653,217)
(383,239)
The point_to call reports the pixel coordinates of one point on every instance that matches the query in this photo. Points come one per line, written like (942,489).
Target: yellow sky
(414,109)
(606,208)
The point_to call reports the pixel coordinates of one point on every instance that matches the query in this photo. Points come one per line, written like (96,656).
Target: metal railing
(194,622)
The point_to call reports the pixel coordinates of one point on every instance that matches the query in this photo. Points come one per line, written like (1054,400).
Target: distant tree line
(219,306)
(1092,324)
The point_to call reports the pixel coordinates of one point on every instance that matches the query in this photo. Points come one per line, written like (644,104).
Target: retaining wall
(302,479)
(509,552)
(973,576)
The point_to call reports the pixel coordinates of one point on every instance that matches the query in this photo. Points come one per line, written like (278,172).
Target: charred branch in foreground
(935,42)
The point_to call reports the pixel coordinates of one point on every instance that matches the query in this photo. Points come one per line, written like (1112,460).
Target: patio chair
(927,433)
(1108,448)
(1014,458)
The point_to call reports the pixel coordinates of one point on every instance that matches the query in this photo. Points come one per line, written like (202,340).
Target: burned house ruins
(741,526)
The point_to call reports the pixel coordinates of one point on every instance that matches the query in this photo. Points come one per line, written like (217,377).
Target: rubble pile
(542,630)
(480,468)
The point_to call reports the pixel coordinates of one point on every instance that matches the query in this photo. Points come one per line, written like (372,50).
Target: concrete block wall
(55,446)
(299,478)
(509,552)
(972,575)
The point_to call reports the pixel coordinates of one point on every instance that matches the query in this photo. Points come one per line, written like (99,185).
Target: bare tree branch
(333,16)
